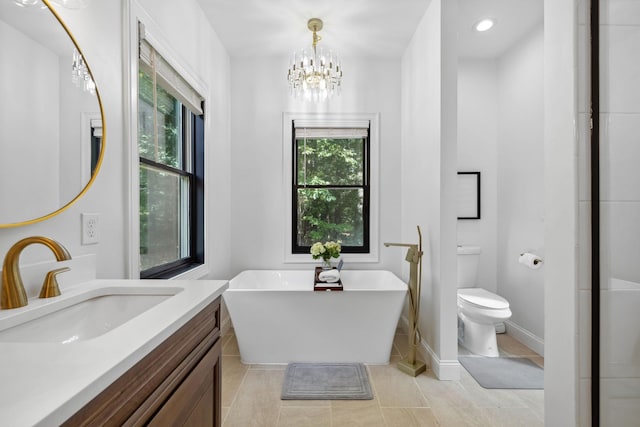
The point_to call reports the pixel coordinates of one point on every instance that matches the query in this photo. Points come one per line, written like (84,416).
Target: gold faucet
(411,365)
(13,294)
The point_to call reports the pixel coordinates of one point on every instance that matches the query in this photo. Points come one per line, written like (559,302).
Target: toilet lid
(482,298)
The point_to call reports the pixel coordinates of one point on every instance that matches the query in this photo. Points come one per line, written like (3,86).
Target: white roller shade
(331,123)
(168,78)
(337,133)
(96,127)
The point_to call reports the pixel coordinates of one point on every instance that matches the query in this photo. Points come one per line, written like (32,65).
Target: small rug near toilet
(504,372)
(326,381)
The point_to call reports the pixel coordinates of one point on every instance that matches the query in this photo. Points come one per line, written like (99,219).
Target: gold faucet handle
(50,286)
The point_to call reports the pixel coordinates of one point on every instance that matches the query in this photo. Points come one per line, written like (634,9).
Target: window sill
(194,273)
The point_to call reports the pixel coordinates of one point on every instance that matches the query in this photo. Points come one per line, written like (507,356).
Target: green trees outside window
(171,166)
(159,127)
(170,204)
(162,190)
(331,193)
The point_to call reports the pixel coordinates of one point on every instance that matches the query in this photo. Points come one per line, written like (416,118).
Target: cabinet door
(196,402)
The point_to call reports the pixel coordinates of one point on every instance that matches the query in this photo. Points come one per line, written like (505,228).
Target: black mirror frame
(473,199)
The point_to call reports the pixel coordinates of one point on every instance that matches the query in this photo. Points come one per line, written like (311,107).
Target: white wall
(259,204)
(477,151)
(429,110)
(561,214)
(99,30)
(521,180)
(27,156)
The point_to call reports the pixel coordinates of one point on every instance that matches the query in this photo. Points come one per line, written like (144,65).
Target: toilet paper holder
(536,261)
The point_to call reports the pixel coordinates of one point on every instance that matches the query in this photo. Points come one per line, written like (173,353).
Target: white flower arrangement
(326,251)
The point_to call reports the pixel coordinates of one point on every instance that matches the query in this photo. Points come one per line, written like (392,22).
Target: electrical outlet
(90,228)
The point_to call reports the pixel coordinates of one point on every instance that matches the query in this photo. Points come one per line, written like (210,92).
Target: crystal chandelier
(314,74)
(29,3)
(80,73)
(69,4)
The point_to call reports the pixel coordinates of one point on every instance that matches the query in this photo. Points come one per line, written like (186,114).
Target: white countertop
(43,384)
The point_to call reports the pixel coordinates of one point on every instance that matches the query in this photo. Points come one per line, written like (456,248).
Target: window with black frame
(171,149)
(330,188)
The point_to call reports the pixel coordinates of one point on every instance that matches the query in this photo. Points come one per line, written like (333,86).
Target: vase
(326,264)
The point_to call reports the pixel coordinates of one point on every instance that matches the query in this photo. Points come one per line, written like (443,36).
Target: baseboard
(444,370)
(527,338)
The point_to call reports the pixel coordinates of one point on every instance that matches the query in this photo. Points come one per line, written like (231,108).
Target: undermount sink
(83,316)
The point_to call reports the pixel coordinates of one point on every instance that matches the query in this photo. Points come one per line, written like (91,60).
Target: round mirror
(51,116)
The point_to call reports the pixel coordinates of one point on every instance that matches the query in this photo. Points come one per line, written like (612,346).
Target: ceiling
(361,28)
(39,24)
(513,19)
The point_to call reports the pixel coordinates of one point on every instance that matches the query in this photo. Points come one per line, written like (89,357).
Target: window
(171,150)
(330,187)
(96,143)
(91,131)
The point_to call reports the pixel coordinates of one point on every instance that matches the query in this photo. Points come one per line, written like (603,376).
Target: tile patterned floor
(251,397)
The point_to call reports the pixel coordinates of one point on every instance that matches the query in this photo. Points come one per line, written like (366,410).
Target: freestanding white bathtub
(278,318)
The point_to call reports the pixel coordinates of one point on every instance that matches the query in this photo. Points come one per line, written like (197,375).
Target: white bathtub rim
(392,282)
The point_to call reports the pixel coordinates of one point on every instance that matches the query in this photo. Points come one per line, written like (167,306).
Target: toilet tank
(468,258)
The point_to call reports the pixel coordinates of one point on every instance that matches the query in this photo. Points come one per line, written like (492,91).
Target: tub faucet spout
(387,244)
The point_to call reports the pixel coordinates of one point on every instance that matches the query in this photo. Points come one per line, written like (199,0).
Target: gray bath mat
(326,381)
(504,372)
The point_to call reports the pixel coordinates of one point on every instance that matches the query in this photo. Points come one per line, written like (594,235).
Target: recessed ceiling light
(483,25)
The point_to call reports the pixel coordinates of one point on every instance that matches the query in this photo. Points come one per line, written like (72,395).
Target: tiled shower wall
(584,246)
(619,213)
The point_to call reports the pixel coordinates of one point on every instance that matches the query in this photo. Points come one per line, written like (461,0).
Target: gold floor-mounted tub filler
(410,365)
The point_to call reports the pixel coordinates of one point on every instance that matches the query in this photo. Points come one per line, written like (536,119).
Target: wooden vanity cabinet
(177,384)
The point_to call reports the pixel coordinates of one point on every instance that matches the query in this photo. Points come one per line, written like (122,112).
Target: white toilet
(478,309)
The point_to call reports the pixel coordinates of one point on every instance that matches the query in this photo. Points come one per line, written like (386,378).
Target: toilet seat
(481,298)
